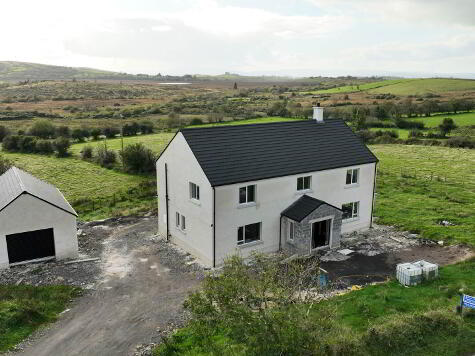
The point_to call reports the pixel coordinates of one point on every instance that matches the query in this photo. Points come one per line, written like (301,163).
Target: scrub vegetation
(23,309)
(241,312)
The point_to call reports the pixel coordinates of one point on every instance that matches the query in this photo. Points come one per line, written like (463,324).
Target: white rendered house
(263,187)
(36,221)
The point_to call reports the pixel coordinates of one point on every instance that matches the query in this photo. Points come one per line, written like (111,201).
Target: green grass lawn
(408,198)
(81,182)
(23,309)
(465,119)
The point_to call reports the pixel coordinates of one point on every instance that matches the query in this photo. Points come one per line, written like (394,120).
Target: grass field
(81,182)
(403,133)
(405,86)
(23,309)
(465,119)
(419,186)
(385,319)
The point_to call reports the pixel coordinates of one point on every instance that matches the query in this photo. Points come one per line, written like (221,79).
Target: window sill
(354,185)
(350,220)
(246,205)
(304,191)
(182,231)
(195,201)
(250,244)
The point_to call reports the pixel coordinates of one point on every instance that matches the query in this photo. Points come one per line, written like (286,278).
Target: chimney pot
(318,113)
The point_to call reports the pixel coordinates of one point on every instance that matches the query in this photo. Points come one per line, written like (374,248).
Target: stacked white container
(429,270)
(409,274)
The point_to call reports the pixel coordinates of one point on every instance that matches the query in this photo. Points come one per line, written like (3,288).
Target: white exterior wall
(183,168)
(28,213)
(276,194)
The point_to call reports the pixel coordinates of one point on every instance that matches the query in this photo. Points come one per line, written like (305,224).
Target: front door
(321,233)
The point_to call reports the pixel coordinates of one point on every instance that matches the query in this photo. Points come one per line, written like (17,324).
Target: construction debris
(83,260)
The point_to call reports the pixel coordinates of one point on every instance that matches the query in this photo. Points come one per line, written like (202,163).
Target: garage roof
(242,153)
(16,182)
(303,206)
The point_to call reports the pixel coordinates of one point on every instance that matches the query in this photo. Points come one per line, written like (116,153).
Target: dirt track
(142,286)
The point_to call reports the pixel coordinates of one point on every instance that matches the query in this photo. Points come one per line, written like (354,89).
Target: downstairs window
(249,233)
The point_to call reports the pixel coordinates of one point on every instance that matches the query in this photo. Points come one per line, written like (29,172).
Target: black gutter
(166,200)
(214,228)
(374,192)
(280,234)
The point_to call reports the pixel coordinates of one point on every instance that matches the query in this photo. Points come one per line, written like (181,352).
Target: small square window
(249,233)
(304,183)
(352,176)
(194,191)
(350,210)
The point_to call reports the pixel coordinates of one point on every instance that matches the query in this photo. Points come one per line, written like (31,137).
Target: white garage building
(36,221)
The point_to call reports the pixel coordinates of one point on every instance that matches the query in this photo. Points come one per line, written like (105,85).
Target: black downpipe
(166,200)
(280,234)
(374,192)
(214,228)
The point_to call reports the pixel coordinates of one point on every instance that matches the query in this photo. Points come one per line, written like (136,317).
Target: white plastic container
(429,270)
(409,274)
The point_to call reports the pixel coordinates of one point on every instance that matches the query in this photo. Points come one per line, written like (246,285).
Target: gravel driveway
(138,292)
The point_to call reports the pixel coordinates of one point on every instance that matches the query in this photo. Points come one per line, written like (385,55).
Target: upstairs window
(304,183)
(249,233)
(351,210)
(352,176)
(247,194)
(194,191)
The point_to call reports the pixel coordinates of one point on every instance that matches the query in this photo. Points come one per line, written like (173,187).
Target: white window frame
(355,177)
(194,191)
(291,231)
(180,222)
(247,202)
(177,219)
(304,189)
(243,242)
(355,211)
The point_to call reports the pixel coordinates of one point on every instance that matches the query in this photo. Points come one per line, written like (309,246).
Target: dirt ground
(376,253)
(135,292)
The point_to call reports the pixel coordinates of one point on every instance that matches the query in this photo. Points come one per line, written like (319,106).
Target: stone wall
(303,230)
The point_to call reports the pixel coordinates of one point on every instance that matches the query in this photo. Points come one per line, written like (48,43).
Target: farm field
(464,119)
(420,186)
(405,87)
(403,133)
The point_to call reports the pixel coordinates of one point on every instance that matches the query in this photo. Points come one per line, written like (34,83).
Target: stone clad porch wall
(303,230)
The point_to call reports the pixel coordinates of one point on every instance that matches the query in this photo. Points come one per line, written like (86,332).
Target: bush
(27,144)
(138,159)
(105,157)
(416,133)
(86,152)
(43,129)
(111,132)
(62,144)
(446,126)
(408,124)
(10,143)
(80,134)
(5,164)
(4,132)
(146,127)
(63,131)
(462,142)
(95,133)
(44,146)
(196,121)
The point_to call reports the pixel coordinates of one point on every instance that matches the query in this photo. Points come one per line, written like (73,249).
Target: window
(352,176)
(350,210)
(180,219)
(304,183)
(194,191)
(247,194)
(291,231)
(249,233)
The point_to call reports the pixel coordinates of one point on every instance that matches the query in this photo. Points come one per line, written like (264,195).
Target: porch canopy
(303,207)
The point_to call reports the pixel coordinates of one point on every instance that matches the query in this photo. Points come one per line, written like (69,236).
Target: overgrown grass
(386,319)
(23,309)
(361,87)
(419,186)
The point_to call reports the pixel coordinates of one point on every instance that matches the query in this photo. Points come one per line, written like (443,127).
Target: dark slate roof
(15,182)
(241,153)
(302,207)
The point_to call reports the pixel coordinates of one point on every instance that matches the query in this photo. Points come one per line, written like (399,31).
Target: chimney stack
(318,113)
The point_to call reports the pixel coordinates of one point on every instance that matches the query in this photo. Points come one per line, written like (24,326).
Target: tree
(4,131)
(43,129)
(95,133)
(235,86)
(78,135)
(63,131)
(62,144)
(138,159)
(446,126)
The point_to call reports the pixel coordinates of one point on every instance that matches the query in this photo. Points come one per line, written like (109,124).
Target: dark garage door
(30,245)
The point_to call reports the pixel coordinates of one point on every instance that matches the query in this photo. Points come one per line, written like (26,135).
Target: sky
(272,37)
